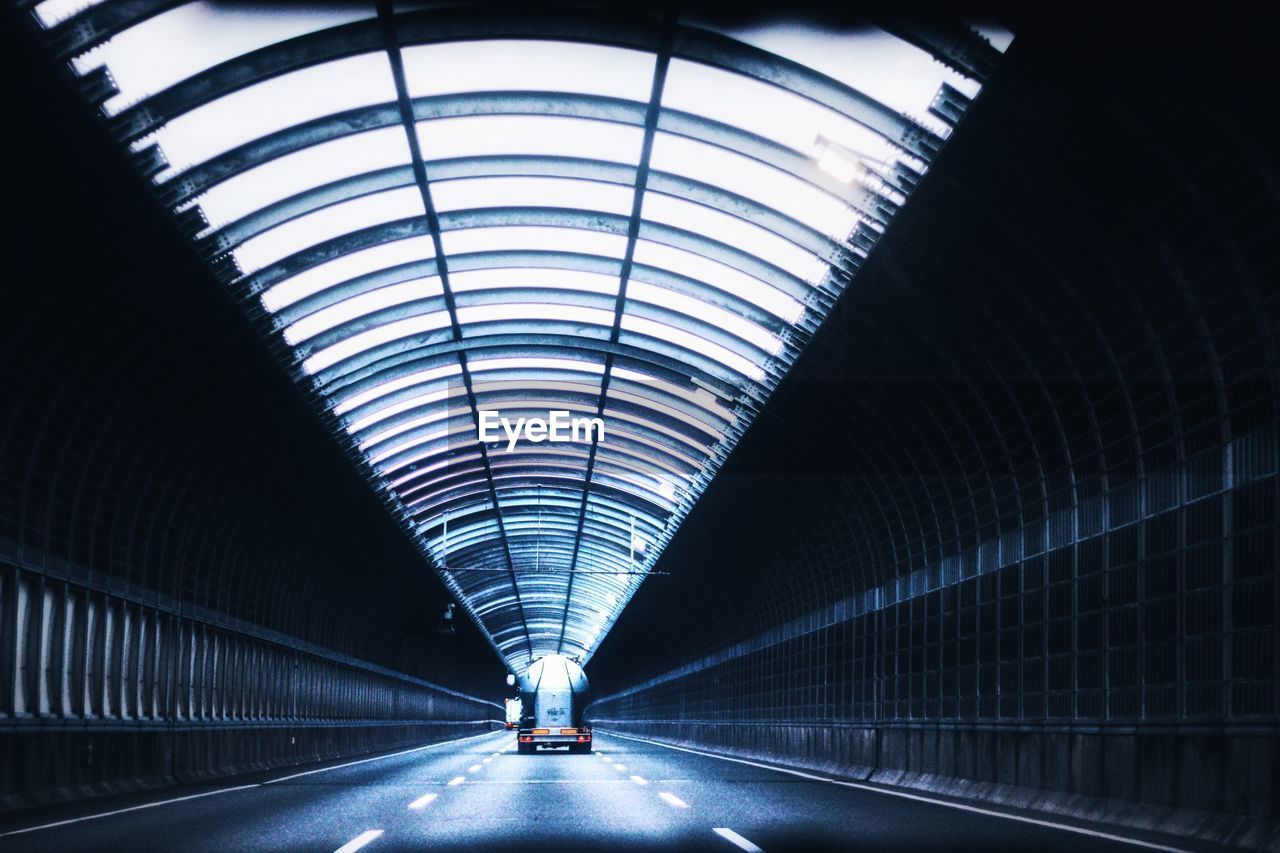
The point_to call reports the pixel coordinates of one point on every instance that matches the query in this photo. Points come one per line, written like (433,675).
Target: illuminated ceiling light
(667,489)
(638,544)
(837,161)
(611,598)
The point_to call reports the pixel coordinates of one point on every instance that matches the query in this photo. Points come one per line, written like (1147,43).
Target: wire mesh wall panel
(1167,617)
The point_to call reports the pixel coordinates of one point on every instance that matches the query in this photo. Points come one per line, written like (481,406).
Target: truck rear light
(542,731)
(526,739)
(568,731)
(584,738)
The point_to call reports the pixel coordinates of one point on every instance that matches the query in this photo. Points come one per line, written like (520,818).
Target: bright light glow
(558,136)
(667,489)
(717,275)
(364,341)
(357,400)
(274,104)
(327,223)
(520,238)
(472,193)
(735,232)
(303,169)
(509,65)
(838,162)
(611,598)
(540,277)
(322,276)
(359,306)
(772,187)
(639,545)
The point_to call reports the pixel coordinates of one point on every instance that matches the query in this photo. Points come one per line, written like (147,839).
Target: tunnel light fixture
(263,133)
(837,161)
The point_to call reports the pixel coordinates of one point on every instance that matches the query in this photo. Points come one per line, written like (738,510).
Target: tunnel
(558,426)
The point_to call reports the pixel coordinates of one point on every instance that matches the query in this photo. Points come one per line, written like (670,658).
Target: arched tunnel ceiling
(436,212)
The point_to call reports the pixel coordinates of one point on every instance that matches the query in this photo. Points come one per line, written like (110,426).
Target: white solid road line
(456,780)
(737,840)
(171,800)
(640,780)
(423,801)
(129,809)
(1066,827)
(672,800)
(360,840)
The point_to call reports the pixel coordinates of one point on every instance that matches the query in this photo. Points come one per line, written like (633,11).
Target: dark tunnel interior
(1007,532)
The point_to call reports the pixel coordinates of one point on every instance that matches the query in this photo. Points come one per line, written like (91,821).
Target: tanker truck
(553,694)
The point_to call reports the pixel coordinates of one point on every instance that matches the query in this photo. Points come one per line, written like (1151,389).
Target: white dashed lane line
(619,767)
(640,780)
(366,837)
(457,780)
(737,840)
(423,801)
(473,768)
(672,800)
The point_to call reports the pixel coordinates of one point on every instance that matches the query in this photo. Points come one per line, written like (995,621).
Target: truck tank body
(554,692)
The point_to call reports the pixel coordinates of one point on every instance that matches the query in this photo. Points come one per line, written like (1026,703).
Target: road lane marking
(737,840)
(457,780)
(375,758)
(129,809)
(1151,845)
(423,801)
(487,760)
(171,800)
(369,835)
(672,800)
(640,780)
(473,768)
(619,767)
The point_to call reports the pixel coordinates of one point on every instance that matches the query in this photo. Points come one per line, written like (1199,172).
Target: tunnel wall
(1008,530)
(102,693)
(1112,662)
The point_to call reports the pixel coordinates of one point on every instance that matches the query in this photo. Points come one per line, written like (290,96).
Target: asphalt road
(477,793)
